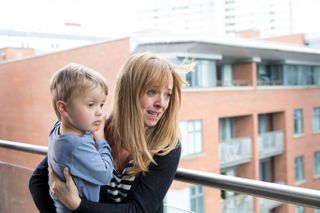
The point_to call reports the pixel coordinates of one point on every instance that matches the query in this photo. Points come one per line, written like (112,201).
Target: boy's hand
(98,134)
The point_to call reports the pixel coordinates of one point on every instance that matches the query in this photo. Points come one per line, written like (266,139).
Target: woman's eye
(90,105)
(151,92)
(101,105)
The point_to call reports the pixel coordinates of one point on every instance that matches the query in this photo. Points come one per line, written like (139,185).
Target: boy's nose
(99,112)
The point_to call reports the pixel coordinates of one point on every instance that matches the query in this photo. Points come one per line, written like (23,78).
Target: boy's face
(85,110)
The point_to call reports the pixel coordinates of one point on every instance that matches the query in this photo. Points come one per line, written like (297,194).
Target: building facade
(27,115)
(252,110)
(43,42)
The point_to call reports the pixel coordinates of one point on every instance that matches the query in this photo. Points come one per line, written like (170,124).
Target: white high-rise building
(181,17)
(267,18)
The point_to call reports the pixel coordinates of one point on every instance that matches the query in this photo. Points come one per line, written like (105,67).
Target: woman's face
(155,102)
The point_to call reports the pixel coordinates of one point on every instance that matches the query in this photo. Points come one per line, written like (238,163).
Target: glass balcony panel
(235,151)
(271,144)
(15,195)
(233,83)
(266,204)
(172,209)
(240,203)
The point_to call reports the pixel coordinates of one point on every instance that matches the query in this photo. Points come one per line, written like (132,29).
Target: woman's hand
(66,192)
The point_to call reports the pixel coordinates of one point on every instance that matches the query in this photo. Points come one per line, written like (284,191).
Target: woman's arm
(147,195)
(39,188)
(149,192)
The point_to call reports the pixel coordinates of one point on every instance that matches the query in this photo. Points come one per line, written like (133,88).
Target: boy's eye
(90,105)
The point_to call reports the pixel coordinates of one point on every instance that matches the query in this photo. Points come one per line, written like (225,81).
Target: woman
(143,133)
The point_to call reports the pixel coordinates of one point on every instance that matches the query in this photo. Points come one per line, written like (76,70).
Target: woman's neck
(122,159)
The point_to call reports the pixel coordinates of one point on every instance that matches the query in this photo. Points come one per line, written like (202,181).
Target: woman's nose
(160,101)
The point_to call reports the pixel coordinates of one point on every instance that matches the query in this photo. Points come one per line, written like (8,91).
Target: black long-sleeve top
(146,192)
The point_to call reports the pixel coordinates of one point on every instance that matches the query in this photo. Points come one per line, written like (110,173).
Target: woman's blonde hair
(125,127)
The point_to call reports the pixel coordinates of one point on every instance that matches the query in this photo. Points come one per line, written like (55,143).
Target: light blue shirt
(90,163)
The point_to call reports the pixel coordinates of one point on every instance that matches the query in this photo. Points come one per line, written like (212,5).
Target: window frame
(189,137)
(299,169)
(298,122)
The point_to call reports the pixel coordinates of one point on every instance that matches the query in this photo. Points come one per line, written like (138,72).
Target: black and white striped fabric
(120,184)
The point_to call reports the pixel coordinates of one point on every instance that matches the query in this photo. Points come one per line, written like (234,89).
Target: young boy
(77,140)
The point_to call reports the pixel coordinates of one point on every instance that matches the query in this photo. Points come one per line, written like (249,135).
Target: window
(316,75)
(225,75)
(316,163)
(265,123)
(270,74)
(196,199)
(287,74)
(204,75)
(264,170)
(298,128)
(226,128)
(298,74)
(299,209)
(299,173)
(191,132)
(316,120)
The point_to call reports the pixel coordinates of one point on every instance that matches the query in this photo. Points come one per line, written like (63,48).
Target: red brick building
(26,113)
(252,110)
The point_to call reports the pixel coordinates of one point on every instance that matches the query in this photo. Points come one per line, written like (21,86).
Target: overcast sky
(104,17)
(96,16)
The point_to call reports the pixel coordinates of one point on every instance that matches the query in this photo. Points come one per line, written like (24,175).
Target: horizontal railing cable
(274,191)
(36,149)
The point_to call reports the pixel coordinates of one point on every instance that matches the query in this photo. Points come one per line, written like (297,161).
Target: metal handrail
(274,191)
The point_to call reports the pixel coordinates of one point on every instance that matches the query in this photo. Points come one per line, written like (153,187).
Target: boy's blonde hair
(125,127)
(73,79)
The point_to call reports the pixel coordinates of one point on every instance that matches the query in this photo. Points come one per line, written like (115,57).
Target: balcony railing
(235,151)
(289,194)
(271,144)
(233,83)
(267,204)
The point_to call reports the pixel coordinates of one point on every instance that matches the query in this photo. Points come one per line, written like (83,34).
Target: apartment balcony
(271,144)
(240,203)
(15,196)
(235,151)
(266,204)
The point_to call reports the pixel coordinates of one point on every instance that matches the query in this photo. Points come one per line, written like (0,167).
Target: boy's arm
(92,162)
(39,188)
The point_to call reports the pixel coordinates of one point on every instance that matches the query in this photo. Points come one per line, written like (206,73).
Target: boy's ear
(62,108)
